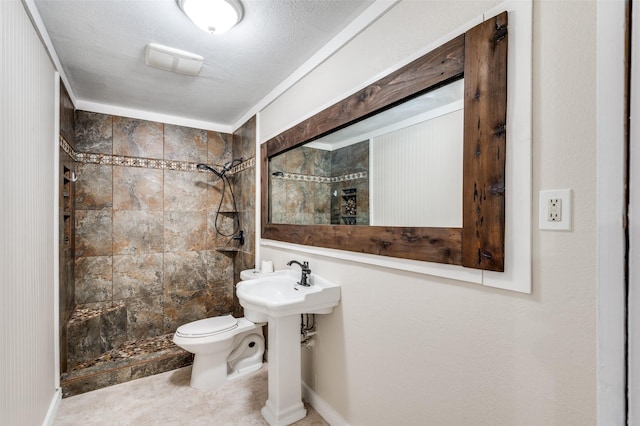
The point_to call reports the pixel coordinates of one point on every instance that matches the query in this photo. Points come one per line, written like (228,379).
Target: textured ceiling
(101,47)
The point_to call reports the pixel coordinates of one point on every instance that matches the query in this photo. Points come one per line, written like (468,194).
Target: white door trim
(634,226)
(610,198)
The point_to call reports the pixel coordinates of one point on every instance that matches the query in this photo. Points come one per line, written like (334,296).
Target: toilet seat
(208,326)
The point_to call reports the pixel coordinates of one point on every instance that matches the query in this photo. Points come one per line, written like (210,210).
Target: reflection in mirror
(480,56)
(400,167)
(311,186)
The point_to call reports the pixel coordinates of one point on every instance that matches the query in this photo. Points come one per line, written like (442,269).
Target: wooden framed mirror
(478,56)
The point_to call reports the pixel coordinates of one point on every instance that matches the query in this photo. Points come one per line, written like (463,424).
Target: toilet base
(209,372)
(244,371)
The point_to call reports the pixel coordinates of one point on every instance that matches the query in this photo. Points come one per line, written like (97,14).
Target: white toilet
(224,347)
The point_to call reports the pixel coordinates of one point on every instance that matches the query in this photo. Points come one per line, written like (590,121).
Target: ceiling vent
(174,60)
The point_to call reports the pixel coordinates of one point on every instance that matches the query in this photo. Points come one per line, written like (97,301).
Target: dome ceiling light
(212,16)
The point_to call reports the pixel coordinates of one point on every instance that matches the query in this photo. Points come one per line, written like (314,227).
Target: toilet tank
(252,274)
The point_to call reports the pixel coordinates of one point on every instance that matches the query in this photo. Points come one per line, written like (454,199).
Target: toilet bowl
(224,348)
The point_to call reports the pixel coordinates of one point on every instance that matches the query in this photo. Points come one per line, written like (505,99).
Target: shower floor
(132,360)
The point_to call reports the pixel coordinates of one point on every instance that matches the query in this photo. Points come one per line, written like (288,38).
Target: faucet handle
(304,266)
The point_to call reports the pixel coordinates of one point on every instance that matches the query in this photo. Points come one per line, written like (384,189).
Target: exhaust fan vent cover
(174,60)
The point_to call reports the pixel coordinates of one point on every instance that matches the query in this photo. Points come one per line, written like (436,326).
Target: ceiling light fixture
(212,16)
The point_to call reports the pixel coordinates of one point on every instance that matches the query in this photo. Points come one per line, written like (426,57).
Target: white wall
(406,348)
(419,168)
(28,223)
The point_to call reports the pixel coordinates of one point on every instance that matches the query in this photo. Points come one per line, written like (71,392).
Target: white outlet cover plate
(565,223)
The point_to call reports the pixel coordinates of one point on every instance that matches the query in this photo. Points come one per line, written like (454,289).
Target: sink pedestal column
(284,405)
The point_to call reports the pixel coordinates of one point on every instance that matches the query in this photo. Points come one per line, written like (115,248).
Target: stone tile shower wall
(66,167)
(244,146)
(303,195)
(144,223)
(351,164)
(310,190)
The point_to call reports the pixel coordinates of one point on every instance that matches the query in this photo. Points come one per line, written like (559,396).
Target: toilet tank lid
(208,326)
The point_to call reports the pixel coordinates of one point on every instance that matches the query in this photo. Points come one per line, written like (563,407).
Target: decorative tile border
(322,179)
(147,163)
(251,162)
(66,147)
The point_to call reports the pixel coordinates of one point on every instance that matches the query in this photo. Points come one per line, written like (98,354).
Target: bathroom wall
(244,181)
(418,174)
(407,348)
(28,247)
(145,234)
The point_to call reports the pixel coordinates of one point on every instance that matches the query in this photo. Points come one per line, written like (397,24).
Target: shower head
(225,168)
(204,167)
(277,174)
(229,165)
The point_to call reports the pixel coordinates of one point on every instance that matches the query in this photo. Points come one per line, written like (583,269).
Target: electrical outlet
(555,210)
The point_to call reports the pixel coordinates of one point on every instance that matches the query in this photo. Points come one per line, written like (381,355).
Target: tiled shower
(139,251)
(314,186)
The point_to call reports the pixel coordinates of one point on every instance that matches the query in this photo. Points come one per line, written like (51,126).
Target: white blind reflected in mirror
(416,174)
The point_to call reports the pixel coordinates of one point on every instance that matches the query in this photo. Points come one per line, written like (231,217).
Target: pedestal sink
(279,300)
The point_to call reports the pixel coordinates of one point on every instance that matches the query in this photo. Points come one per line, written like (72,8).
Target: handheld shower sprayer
(204,167)
(237,234)
(225,168)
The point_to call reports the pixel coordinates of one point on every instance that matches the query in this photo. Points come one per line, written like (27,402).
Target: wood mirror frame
(480,57)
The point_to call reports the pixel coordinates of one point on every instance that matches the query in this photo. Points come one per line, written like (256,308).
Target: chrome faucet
(305,272)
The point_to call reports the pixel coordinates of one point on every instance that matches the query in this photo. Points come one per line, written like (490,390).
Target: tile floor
(167,399)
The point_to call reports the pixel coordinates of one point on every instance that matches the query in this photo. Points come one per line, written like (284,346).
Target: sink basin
(279,294)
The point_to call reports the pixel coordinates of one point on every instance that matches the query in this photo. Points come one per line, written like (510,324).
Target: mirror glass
(400,167)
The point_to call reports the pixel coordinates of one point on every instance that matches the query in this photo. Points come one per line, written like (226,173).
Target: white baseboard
(53,408)
(322,407)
